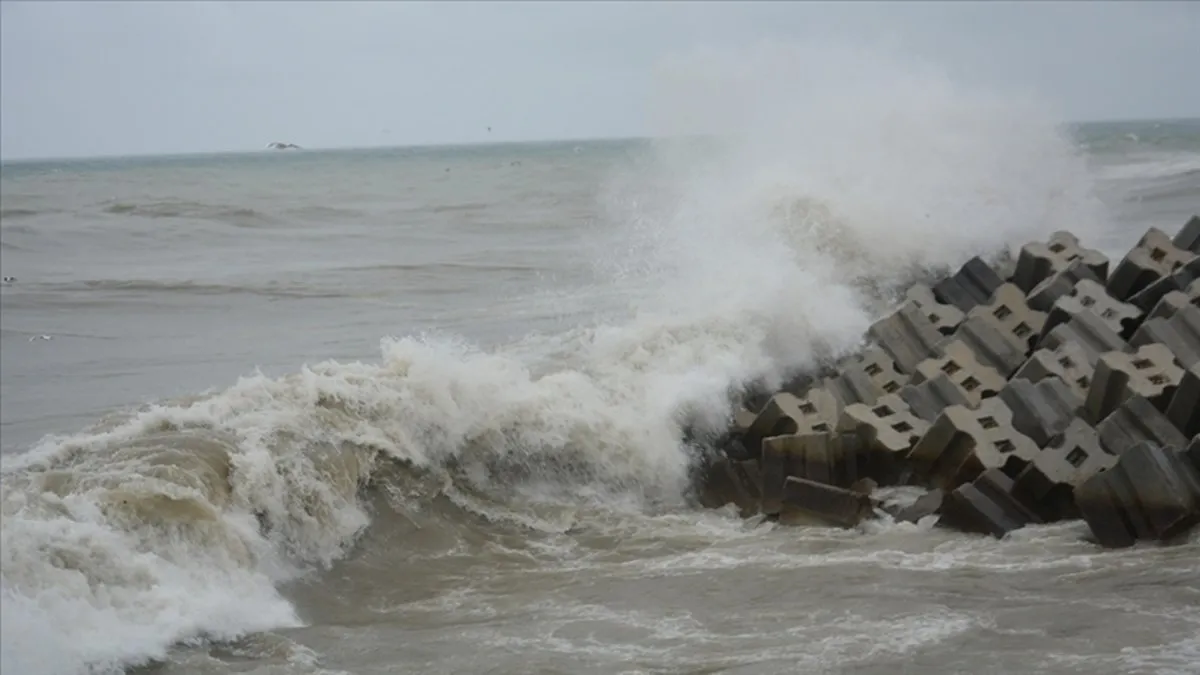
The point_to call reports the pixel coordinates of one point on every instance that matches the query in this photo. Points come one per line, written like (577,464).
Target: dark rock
(985,506)
(1149,495)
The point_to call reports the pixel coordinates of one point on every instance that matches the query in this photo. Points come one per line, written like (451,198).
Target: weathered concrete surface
(945,318)
(962,443)
(1015,319)
(832,458)
(1045,294)
(788,414)
(985,506)
(1137,420)
(973,284)
(992,344)
(1089,332)
(1042,410)
(1188,237)
(809,502)
(866,378)
(1184,408)
(1150,372)
(1183,277)
(1180,333)
(976,381)
(890,430)
(928,504)
(1149,495)
(1047,485)
(1039,261)
(1155,256)
(1068,362)
(929,398)
(1122,318)
(729,482)
(1173,302)
(907,336)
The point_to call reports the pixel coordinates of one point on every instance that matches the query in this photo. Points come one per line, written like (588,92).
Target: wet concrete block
(975,380)
(992,344)
(1193,452)
(1045,294)
(1171,303)
(1122,318)
(945,318)
(1088,331)
(1150,373)
(1039,261)
(928,399)
(866,378)
(729,482)
(1180,333)
(928,504)
(1188,237)
(1047,485)
(1013,316)
(1154,256)
(1184,409)
(1137,420)
(1149,495)
(833,458)
(985,506)
(1069,363)
(789,414)
(890,430)
(907,336)
(1183,277)
(807,502)
(963,443)
(1043,410)
(973,284)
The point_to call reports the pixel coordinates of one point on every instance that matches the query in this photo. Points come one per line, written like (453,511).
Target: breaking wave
(823,178)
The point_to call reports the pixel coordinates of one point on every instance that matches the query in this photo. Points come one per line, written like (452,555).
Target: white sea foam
(742,255)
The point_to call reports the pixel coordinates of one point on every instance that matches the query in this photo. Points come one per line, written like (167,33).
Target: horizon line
(450,144)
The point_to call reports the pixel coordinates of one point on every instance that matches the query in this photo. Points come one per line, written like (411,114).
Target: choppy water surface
(480,468)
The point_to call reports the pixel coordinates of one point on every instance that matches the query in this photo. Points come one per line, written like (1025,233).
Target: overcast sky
(100,78)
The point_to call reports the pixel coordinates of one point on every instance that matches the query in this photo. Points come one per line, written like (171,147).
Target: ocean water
(421,410)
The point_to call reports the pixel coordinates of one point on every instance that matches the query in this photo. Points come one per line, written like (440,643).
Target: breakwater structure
(1035,390)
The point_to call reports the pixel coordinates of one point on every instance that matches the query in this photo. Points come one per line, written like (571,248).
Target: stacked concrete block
(907,336)
(1047,485)
(789,414)
(1039,261)
(1089,332)
(1155,256)
(1067,362)
(973,284)
(975,380)
(985,506)
(1044,295)
(1150,373)
(963,443)
(992,344)
(1122,318)
(808,502)
(928,399)
(1135,421)
(1182,278)
(731,482)
(832,458)
(1016,320)
(928,504)
(945,318)
(1184,409)
(890,430)
(1043,410)
(1151,494)
(866,378)
(1180,333)
(1188,237)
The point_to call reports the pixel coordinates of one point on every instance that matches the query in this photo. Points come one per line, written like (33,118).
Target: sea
(436,409)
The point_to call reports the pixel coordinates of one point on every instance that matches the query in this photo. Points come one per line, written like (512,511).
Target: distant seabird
(41,337)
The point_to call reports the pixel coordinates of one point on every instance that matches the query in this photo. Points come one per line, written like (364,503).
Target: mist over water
(823,179)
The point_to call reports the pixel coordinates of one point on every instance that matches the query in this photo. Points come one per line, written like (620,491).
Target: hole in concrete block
(873,369)
(820,426)
(1083,382)
(1157,254)
(1159,379)
(951,367)
(1057,247)
(1143,364)
(1087,301)
(1005,446)
(1073,257)
(970,384)
(883,411)
(1076,457)
(1002,312)
(1108,313)
(988,422)
(934,318)
(808,408)
(1066,362)
(891,387)
(902,427)
(1022,330)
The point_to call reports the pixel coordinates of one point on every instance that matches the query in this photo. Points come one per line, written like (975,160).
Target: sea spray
(824,174)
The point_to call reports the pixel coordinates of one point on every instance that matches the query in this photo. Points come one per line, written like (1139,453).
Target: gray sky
(151,77)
